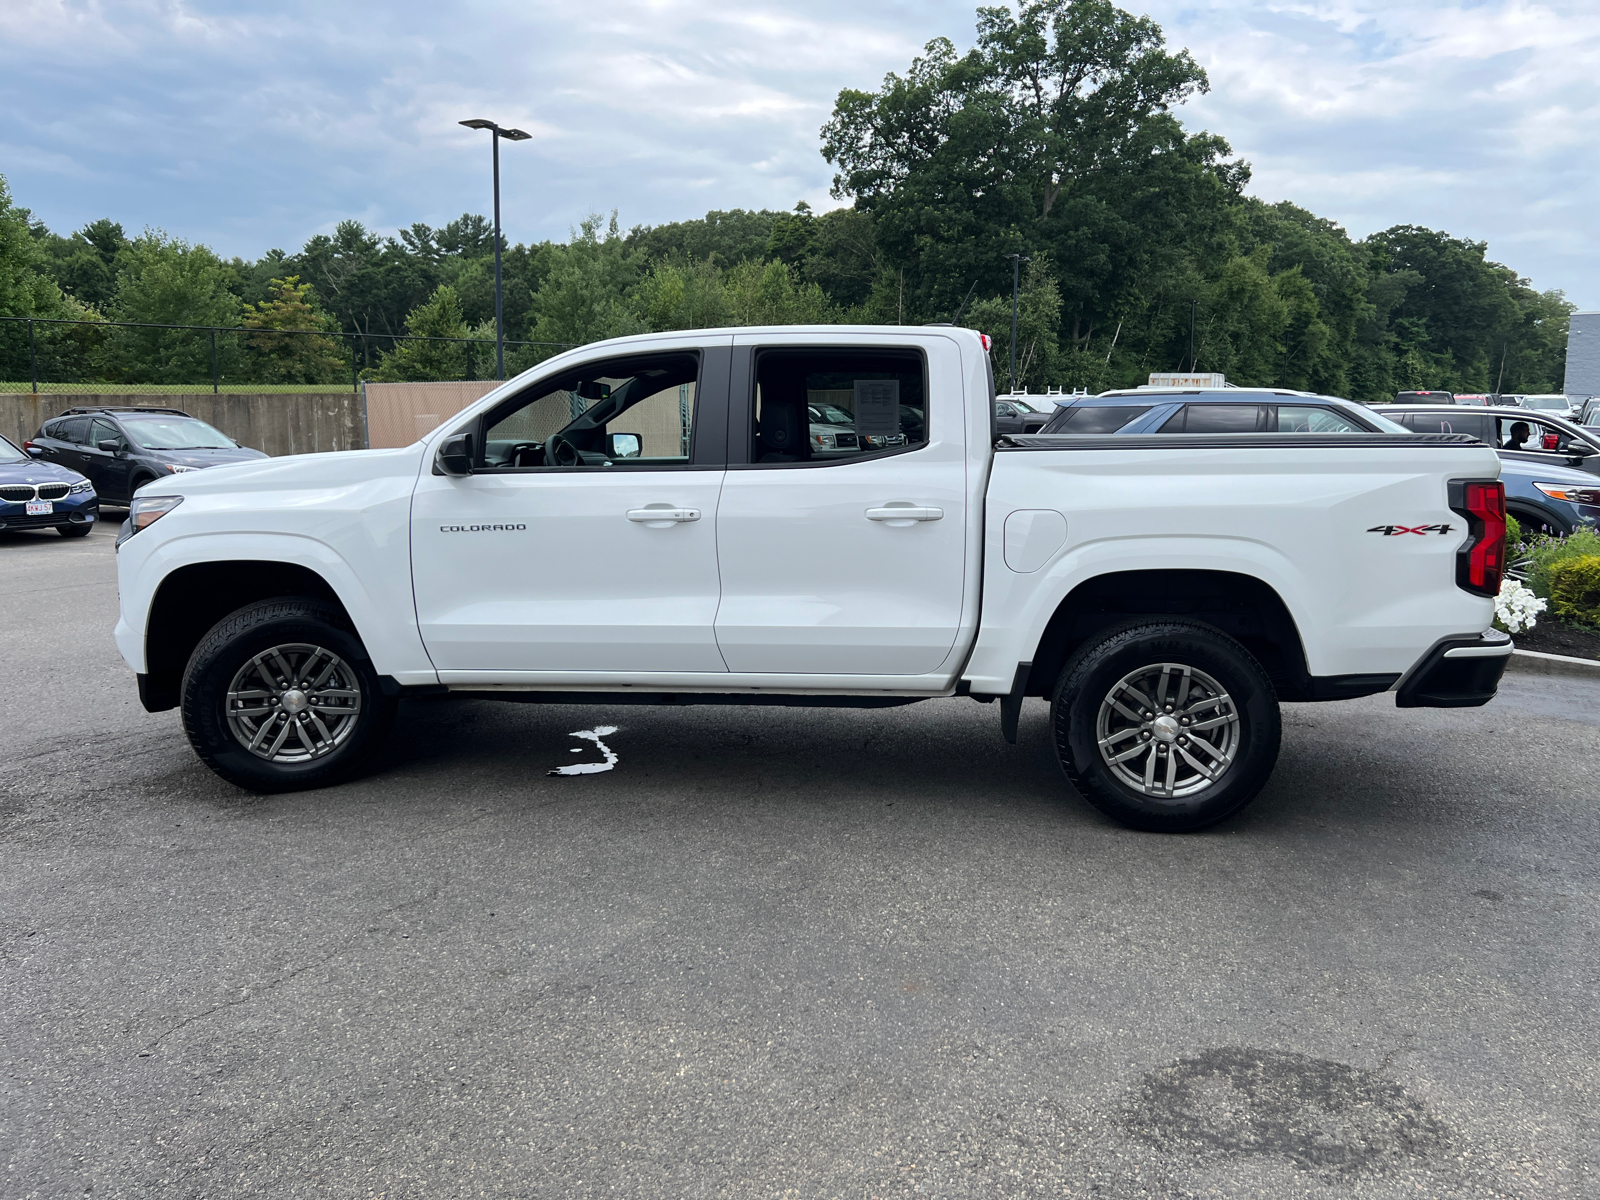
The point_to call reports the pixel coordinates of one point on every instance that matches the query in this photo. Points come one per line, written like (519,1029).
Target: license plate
(40,508)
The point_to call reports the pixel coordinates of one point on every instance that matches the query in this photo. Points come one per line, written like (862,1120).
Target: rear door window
(73,429)
(1479,426)
(829,405)
(1095,418)
(1217,418)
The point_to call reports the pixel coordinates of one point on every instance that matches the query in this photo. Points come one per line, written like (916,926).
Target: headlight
(177,470)
(145,511)
(79,488)
(827,440)
(1573,495)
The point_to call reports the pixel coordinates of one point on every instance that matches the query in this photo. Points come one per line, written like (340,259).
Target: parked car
(1555,404)
(1236,410)
(1424,398)
(1477,399)
(42,495)
(1589,414)
(833,430)
(1164,597)
(1548,499)
(1016,414)
(122,449)
(1518,434)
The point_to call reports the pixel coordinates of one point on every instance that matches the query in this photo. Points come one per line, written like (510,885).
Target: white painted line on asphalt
(591,735)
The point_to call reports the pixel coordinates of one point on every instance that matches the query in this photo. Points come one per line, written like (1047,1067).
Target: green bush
(1544,553)
(1513,531)
(1575,589)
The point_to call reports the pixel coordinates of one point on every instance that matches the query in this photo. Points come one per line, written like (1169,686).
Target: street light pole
(495,134)
(1016,276)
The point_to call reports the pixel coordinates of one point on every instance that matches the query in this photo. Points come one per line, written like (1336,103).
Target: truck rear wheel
(1166,725)
(279,696)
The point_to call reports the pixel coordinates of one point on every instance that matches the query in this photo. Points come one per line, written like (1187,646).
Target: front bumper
(15,516)
(1461,672)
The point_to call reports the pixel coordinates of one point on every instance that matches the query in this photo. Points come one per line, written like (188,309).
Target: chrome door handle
(662,515)
(904,514)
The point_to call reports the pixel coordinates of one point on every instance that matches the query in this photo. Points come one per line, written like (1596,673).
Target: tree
(165,281)
(292,358)
(439,317)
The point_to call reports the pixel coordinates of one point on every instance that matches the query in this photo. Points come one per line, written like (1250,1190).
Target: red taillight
(986,340)
(28,447)
(1552,441)
(1482,562)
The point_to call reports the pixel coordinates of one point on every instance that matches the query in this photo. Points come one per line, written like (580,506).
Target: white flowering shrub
(1516,608)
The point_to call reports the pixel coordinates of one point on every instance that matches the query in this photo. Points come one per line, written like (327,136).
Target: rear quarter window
(1094,418)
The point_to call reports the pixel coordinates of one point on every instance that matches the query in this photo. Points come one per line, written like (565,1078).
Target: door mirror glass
(455,455)
(624,445)
(109,445)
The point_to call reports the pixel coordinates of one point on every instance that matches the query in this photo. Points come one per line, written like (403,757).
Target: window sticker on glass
(877,407)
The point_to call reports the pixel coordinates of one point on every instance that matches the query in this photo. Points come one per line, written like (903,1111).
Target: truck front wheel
(1166,725)
(279,696)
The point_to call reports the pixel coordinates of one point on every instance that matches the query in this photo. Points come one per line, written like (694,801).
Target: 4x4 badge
(1391,530)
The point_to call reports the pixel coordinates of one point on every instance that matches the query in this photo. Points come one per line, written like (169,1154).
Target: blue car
(1219,410)
(1549,499)
(42,495)
(1543,492)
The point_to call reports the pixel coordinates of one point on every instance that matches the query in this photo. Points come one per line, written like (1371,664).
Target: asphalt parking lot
(779,953)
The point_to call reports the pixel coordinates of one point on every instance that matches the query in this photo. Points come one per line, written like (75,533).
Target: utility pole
(512,135)
(1192,305)
(1016,277)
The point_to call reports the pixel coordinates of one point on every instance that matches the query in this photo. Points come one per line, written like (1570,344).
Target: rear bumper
(1462,672)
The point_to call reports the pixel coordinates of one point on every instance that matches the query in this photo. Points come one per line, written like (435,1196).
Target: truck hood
(291,472)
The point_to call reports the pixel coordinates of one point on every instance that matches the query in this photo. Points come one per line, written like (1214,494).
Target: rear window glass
(1094,418)
(1215,418)
(74,429)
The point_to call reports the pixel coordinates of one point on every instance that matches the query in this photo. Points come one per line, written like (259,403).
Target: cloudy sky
(248,125)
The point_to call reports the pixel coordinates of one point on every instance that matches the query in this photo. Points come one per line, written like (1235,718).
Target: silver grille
(54,491)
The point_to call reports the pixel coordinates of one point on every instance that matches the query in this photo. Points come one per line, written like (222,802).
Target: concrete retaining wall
(275,422)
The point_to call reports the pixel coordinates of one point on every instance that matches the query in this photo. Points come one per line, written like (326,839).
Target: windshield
(10,454)
(831,414)
(174,433)
(1546,403)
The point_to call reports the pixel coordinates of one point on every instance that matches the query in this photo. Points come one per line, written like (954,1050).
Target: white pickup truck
(654,520)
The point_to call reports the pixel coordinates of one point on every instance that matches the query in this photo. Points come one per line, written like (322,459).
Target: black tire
(1209,659)
(226,653)
(74,530)
(1538,524)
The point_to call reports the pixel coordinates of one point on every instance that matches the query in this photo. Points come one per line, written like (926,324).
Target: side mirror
(1578,451)
(623,445)
(109,445)
(455,455)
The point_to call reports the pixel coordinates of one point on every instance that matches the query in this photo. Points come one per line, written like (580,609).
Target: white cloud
(250,123)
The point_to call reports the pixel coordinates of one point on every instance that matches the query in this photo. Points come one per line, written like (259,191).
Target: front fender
(377,596)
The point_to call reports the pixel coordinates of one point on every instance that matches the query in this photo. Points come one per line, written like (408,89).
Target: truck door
(847,562)
(584,541)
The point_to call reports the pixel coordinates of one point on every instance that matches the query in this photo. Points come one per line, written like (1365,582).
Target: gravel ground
(777,953)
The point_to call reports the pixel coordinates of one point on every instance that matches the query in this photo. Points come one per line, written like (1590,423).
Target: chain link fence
(41,355)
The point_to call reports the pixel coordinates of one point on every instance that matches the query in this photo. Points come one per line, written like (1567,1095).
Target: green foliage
(278,359)
(166,281)
(1544,554)
(1575,589)
(1038,317)
(1513,531)
(411,361)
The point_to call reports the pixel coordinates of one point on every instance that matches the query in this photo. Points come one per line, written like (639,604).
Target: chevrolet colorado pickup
(646,520)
